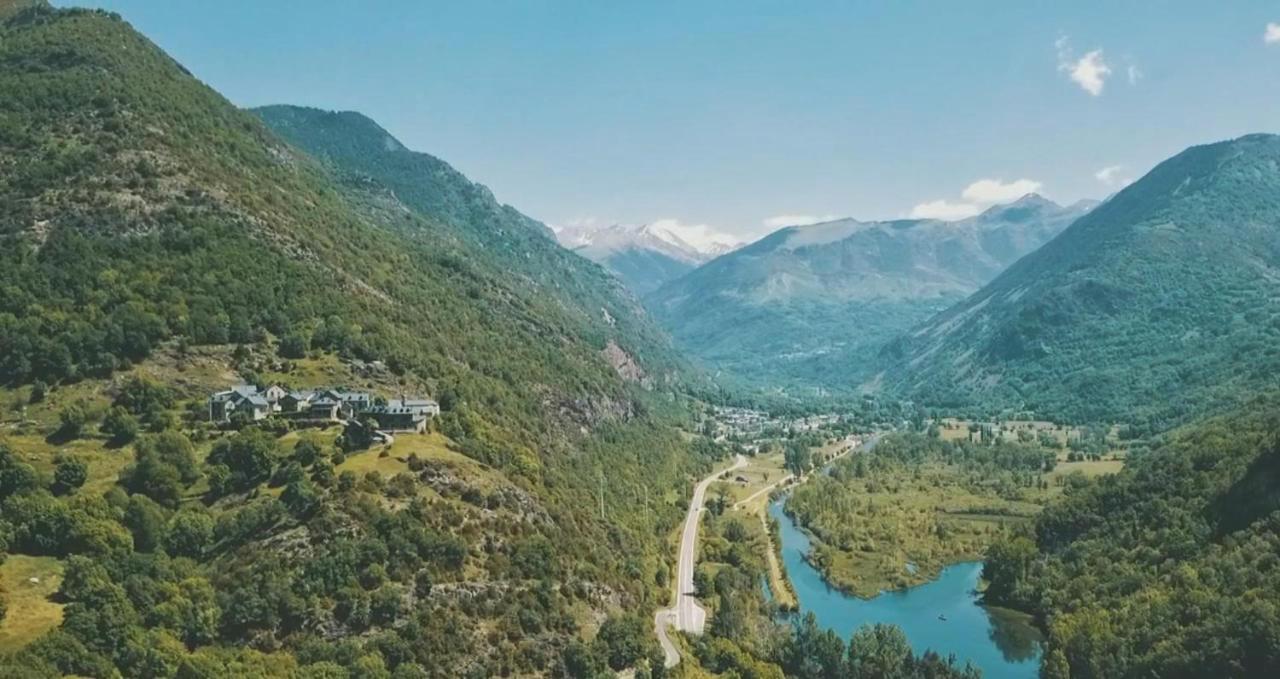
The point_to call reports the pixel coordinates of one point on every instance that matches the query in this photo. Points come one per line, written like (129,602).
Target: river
(1001,643)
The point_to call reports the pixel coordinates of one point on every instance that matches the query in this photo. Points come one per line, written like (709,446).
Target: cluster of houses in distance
(321,407)
(745,423)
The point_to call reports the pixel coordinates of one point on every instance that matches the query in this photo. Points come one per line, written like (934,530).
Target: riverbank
(945,615)
(784,595)
(868,538)
(757,484)
(897,518)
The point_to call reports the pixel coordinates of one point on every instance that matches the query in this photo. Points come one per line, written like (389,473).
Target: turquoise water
(1000,643)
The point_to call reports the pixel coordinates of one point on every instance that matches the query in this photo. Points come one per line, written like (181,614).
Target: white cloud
(1090,71)
(779,221)
(944,210)
(1135,74)
(1113,176)
(990,191)
(1272,34)
(977,196)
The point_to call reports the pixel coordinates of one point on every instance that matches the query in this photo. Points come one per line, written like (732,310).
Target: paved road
(686,614)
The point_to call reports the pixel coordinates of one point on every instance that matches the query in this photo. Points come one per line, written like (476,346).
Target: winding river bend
(1000,643)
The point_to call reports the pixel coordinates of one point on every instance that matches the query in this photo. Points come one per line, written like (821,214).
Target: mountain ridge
(645,256)
(1154,282)
(810,304)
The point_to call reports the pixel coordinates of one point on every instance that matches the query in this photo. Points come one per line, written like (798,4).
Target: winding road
(685,614)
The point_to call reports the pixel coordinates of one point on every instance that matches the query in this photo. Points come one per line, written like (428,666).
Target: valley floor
(879,527)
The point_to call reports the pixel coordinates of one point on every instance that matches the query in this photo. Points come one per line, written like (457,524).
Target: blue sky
(739,113)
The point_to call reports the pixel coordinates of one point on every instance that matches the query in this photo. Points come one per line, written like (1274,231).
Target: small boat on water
(942,617)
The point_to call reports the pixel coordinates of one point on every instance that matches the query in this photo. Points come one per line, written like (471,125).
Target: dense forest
(1166,569)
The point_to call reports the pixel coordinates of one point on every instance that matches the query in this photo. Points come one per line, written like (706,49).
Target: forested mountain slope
(1167,569)
(809,305)
(139,210)
(1161,302)
(358,150)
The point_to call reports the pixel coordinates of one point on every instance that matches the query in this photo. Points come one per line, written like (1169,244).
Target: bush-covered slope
(139,210)
(810,305)
(1159,302)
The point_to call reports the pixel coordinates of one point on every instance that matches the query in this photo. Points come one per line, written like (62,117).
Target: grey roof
(236,392)
(412,403)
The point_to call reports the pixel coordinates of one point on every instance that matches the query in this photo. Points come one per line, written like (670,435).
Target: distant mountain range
(1159,303)
(808,305)
(647,256)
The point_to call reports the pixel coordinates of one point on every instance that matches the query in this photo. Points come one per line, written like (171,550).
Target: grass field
(761,471)
(888,533)
(1090,468)
(31,612)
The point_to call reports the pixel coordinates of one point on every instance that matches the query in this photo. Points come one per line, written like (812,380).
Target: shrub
(119,426)
(69,474)
(71,421)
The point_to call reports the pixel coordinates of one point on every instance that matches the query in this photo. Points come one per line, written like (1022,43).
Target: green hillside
(145,219)
(1161,303)
(357,150)
(811,305)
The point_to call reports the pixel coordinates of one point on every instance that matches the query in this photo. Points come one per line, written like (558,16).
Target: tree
(190,533)
(797,458)
(146,520)
(385,604)
(879,651)
(306,452)
(143,397)
(294,345)
(250,455)
(583,662)
(626,640)
(300,497)
(358,434)
(69,474)
(1006,569)
(119,426)
(71,421)
(163,464)
(16,476)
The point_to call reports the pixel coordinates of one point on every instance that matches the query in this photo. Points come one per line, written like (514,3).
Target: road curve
(685,613)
